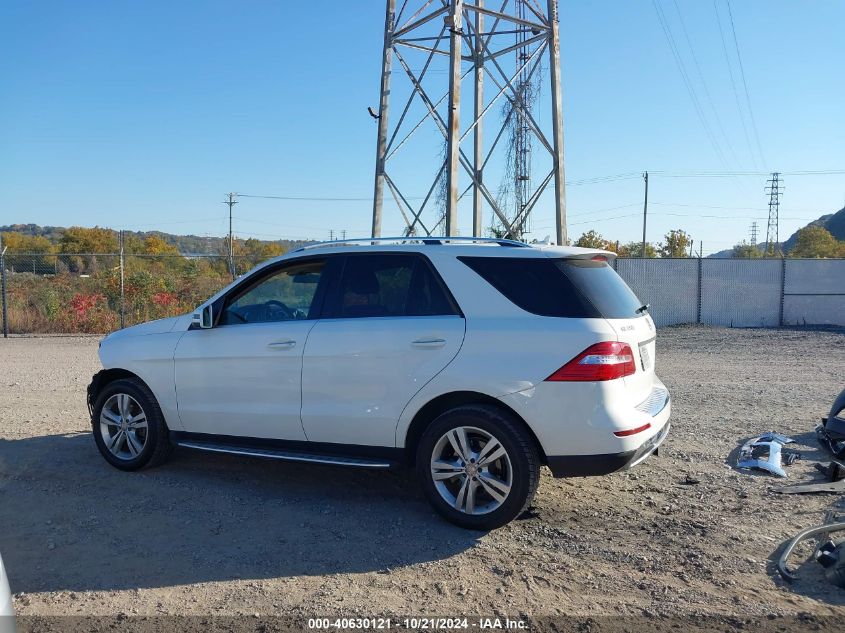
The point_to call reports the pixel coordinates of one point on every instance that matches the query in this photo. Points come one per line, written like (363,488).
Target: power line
(733,174)
(667,32)
(733,85)
(711,206)
(569,183)
(745,85)
(727,141)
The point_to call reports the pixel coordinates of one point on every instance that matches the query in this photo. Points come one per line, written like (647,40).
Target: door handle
(429,342)
(282,345)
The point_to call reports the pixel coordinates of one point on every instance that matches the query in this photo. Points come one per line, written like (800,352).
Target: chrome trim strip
(291,457)
(655,403)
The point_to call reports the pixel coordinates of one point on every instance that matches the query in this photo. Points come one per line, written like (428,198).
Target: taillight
(599,258)
(603,361)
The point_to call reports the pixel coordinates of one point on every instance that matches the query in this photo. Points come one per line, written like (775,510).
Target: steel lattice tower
(441,47)
(775,189)
(754,234)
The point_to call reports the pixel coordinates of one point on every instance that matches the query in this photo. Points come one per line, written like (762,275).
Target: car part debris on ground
(784,571)
(835,481)
(832,557)
(831,432)
(766,453)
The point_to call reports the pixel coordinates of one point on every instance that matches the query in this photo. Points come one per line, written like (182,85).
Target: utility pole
(645,209)
(775,189)
(343,234)
(505,45)
(231,202)
(331,235)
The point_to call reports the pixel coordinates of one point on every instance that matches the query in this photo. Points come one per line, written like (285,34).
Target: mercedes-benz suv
(477,361)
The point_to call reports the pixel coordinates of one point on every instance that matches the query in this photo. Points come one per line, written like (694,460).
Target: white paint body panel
(7,612)
(242,379)
(146,350)
(358,374)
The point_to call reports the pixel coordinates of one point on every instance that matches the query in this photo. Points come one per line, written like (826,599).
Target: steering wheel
(281,307)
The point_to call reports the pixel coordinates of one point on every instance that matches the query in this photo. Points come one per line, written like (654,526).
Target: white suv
(475,360)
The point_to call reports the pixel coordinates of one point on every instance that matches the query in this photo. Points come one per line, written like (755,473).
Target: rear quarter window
(574,288)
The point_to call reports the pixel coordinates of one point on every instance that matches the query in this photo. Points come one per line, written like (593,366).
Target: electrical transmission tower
(515,190)
(775,189)
(754,234)
(497,53)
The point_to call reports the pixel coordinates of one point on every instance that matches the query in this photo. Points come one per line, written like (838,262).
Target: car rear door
(391,326)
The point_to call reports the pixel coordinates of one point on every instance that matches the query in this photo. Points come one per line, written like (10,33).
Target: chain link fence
(739,292)
(98,293)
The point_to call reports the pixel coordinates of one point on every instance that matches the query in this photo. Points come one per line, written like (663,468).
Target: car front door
(242,377)
(390,326)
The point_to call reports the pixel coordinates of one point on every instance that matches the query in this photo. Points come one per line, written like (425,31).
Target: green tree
(676,243)
(77,239)
(21,243)
(815,241)
(157,245)
(746,251)
(591,239)
(635,249)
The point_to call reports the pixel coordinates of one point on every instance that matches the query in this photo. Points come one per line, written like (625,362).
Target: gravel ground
(221,535)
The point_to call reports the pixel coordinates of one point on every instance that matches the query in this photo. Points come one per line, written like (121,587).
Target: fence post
(122,293)
(3,288)
(782,289)
(698,310)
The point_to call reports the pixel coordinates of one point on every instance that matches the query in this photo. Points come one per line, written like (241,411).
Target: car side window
(388,285)
(286,294)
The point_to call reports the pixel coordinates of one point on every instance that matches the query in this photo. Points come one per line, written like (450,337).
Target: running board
(290,456)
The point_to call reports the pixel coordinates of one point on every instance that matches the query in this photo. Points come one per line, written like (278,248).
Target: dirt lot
(222,535)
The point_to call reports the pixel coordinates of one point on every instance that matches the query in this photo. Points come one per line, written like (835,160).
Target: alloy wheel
(123,426)
(471,470)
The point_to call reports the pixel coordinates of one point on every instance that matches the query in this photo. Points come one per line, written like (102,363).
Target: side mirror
(204,318)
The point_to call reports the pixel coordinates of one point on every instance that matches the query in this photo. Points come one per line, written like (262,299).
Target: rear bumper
(596,465)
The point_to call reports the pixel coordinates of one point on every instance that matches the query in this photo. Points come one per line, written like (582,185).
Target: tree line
(812,242)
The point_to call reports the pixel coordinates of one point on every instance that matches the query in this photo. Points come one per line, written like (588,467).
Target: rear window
(579,288)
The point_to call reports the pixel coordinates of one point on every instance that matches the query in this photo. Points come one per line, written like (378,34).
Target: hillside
(186,244)
(833,222)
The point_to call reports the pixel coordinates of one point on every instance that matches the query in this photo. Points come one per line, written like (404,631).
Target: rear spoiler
(594,254)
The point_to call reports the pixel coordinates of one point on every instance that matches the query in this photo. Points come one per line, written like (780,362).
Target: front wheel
(479,467)
(128,425)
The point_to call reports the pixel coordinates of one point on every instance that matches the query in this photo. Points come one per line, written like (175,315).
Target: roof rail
(414,240)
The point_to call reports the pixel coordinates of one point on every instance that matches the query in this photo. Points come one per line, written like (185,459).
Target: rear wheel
(129,428)
(479,467)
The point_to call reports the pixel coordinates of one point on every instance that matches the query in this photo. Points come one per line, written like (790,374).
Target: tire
(141,446)
(444,473)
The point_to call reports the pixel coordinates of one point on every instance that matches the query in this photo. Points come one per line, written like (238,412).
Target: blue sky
(143,115)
